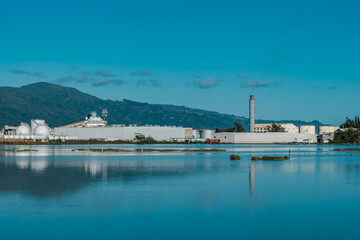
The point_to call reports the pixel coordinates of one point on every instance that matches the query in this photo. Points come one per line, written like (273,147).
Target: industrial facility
(93,128)
(96,128)
(38,130)
(260,133)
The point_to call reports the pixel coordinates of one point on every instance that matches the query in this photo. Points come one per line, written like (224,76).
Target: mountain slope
(60,105)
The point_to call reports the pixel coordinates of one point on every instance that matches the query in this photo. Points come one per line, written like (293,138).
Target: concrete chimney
(252,113)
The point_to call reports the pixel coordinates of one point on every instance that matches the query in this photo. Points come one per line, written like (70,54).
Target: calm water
(55,193)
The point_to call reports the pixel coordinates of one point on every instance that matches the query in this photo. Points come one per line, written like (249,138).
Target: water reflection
(43,177)
(57,170)
(252,179)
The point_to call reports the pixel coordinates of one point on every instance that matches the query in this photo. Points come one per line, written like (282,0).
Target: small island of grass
(347,150)
(18,150)
(142,150)
(270,158)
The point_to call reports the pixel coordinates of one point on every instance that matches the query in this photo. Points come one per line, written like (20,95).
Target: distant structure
(259,133)
(96,128)
(104,113)
(39,130)
(288,127)
(252,113)
(327,133)
(307,129)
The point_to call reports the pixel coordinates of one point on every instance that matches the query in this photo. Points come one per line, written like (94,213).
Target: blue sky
(300,58)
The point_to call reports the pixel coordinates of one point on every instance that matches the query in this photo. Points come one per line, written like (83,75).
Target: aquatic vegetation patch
(18,150)
(270,158)
(142,150)
(347,150)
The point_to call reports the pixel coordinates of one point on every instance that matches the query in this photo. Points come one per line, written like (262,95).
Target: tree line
(349,123)
(351,135)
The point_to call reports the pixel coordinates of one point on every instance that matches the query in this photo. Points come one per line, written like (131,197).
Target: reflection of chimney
(252,179)
(252,113)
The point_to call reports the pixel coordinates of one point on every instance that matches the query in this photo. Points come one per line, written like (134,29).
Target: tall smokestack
(252,114)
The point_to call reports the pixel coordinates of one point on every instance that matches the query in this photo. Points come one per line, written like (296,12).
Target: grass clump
(19,150)
(347,150)
(270,158)
(145,150)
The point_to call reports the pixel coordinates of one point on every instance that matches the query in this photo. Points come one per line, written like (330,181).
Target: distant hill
(60,105)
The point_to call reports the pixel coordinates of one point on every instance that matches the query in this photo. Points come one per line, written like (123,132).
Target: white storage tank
(207,134)
(307,129)
(327,129)
(195,134)
(35,123)
(23,129)
(42,131)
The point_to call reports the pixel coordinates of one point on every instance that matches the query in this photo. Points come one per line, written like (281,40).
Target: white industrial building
(39,130)
(265,138)
(120,132)
(307,129)
(328,129)
(259,133)
(288,127)
(203,134)
(95,127)
(326,133)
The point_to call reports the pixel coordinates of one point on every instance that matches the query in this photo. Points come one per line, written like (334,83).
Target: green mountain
(60,105)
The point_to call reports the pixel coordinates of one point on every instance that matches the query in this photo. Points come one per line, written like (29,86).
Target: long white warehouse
(265,138)
(95,127)
(124,133)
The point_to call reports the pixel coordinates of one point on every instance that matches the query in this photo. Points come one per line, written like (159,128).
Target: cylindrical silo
(195,134)
(252,113)
(327,129)
(307,129)
(207,134)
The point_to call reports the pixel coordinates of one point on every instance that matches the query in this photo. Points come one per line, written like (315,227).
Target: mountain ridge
(60,105)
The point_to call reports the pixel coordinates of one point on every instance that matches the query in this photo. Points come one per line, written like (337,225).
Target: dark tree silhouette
(276,128)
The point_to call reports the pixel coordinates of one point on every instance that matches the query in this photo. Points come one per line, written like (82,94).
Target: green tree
(141,139)
(276,128)
(349,123)
(237,127)
(350,136)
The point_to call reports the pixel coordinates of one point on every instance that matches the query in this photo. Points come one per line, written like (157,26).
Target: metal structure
(195,134)
(207,134)
(23,130)
(104,113)
(252,113)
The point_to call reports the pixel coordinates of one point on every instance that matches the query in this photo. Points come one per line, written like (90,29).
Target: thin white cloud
(155,83)
(143,73)
(105,82)
(254,83)
(24,72)
(104,73)
(242,75)
(207,83)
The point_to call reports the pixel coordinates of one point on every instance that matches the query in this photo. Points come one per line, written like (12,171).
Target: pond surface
(55,193)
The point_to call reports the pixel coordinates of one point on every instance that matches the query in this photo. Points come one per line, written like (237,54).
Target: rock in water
(234,157)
